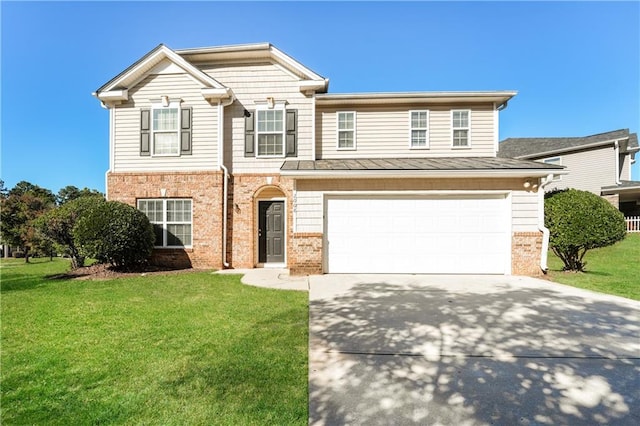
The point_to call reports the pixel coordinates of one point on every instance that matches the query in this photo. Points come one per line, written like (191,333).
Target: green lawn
(192,348)
(612,270)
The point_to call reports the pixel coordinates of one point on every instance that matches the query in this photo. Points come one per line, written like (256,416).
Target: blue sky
(576,65)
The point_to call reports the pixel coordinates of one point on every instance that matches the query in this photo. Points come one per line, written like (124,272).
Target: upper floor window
(460,120)
(171,220)
(419,129)
(165,130)
(555,161)
(346,130)
(270,132)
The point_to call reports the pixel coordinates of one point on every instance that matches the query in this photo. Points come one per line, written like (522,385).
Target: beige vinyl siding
(589,170)
(256,82)
(309,195)
(383,131)
(127,126)
(625,167)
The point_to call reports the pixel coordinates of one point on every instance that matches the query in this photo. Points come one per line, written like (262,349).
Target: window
(171,219)
(419,129)
(165,126)
(460,125)
(346,130)
(555,161)
(270,133)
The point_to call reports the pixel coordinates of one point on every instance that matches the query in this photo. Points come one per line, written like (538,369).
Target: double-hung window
(418,121)
(460,120)
(165,127)
(270,132)
(171,220)
(346,130)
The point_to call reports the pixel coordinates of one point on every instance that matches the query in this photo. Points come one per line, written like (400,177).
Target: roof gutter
(545,231)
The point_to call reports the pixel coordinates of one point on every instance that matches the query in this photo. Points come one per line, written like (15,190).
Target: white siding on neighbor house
(309,209)
(383,131)
(204,126)
(589,170)
(625,167)
(256,82)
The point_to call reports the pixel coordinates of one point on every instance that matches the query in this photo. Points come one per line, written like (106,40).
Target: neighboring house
(240,158)
(598,163)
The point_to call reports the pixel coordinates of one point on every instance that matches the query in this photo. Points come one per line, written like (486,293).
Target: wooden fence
(633,224)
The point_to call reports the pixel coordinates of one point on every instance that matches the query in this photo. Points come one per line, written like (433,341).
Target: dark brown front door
(271,232)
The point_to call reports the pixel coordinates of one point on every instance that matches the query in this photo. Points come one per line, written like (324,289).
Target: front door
(271,232)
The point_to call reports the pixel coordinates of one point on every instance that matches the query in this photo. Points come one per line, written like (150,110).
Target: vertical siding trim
(496,127)
(313,126)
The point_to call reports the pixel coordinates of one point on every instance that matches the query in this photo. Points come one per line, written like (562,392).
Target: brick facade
(525,253)
(305,254)
(205,190)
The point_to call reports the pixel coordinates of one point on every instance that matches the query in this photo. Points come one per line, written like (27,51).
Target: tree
(116,233)
(579,221)
(23,204)
(58,225)
(70,192)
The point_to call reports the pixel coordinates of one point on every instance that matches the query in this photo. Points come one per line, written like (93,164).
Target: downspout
(225,180)
(616,147)
(545,231)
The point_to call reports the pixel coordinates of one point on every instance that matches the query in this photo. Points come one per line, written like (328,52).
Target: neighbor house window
(460,120)
(270,131)
(165,127)
(346,130)
(556,161)
(171,220)
(419,129)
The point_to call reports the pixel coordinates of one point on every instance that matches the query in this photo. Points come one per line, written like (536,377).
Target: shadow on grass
(423,355)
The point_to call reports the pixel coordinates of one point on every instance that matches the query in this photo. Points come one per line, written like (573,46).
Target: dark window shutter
(291,141)
(185,131)
(249,134)
(145,133)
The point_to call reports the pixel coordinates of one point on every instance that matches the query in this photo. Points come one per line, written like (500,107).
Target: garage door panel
(417,235)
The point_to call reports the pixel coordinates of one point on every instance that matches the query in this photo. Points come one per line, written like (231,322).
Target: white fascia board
(287,60)
(498,97)
(113,95)
(368,174)
(135,74)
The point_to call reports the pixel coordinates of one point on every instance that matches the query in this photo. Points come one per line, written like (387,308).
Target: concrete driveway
(470,350)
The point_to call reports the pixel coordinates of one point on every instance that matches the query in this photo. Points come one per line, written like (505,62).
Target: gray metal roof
(624,185)
(536,147)
(399,164)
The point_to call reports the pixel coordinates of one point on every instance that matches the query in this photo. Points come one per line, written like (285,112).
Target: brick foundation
(614,199)
(205,190)
(525,253)
(305,254)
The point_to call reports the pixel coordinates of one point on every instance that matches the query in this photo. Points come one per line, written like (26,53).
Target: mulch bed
(106,272)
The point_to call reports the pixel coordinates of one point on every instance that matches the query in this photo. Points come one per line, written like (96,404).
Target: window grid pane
(460,137)
(165,119)
(419,119)
(345,121)
(172,227)
(165,143)
(270,144)
(345,139)
(418,138)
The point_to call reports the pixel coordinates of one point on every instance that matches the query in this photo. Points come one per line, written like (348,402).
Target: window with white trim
(165,128)
(171,220)
(556,161)
(419,129)
(270,132)
(460,120)
(346,130)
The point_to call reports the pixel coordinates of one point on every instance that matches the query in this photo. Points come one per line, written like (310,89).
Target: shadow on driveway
(470,351)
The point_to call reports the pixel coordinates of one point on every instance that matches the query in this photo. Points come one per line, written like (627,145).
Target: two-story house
(598,163)
(241,158)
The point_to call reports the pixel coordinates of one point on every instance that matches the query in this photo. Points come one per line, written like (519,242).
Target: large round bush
(115,233)
(579,221)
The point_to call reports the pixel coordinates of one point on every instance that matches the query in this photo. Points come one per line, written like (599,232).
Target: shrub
(115,233)
(58,225)
(579,221)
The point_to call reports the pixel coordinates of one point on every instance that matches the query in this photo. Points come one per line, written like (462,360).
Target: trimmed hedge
(579,221)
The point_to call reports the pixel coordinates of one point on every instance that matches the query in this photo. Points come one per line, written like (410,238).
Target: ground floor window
(171,219)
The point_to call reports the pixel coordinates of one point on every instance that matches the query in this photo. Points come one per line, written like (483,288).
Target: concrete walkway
(270,278)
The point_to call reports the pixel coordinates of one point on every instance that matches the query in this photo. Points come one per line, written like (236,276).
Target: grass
(193,348)
(612,270)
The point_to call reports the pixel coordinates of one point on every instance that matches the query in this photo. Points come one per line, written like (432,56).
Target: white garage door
(418,235)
